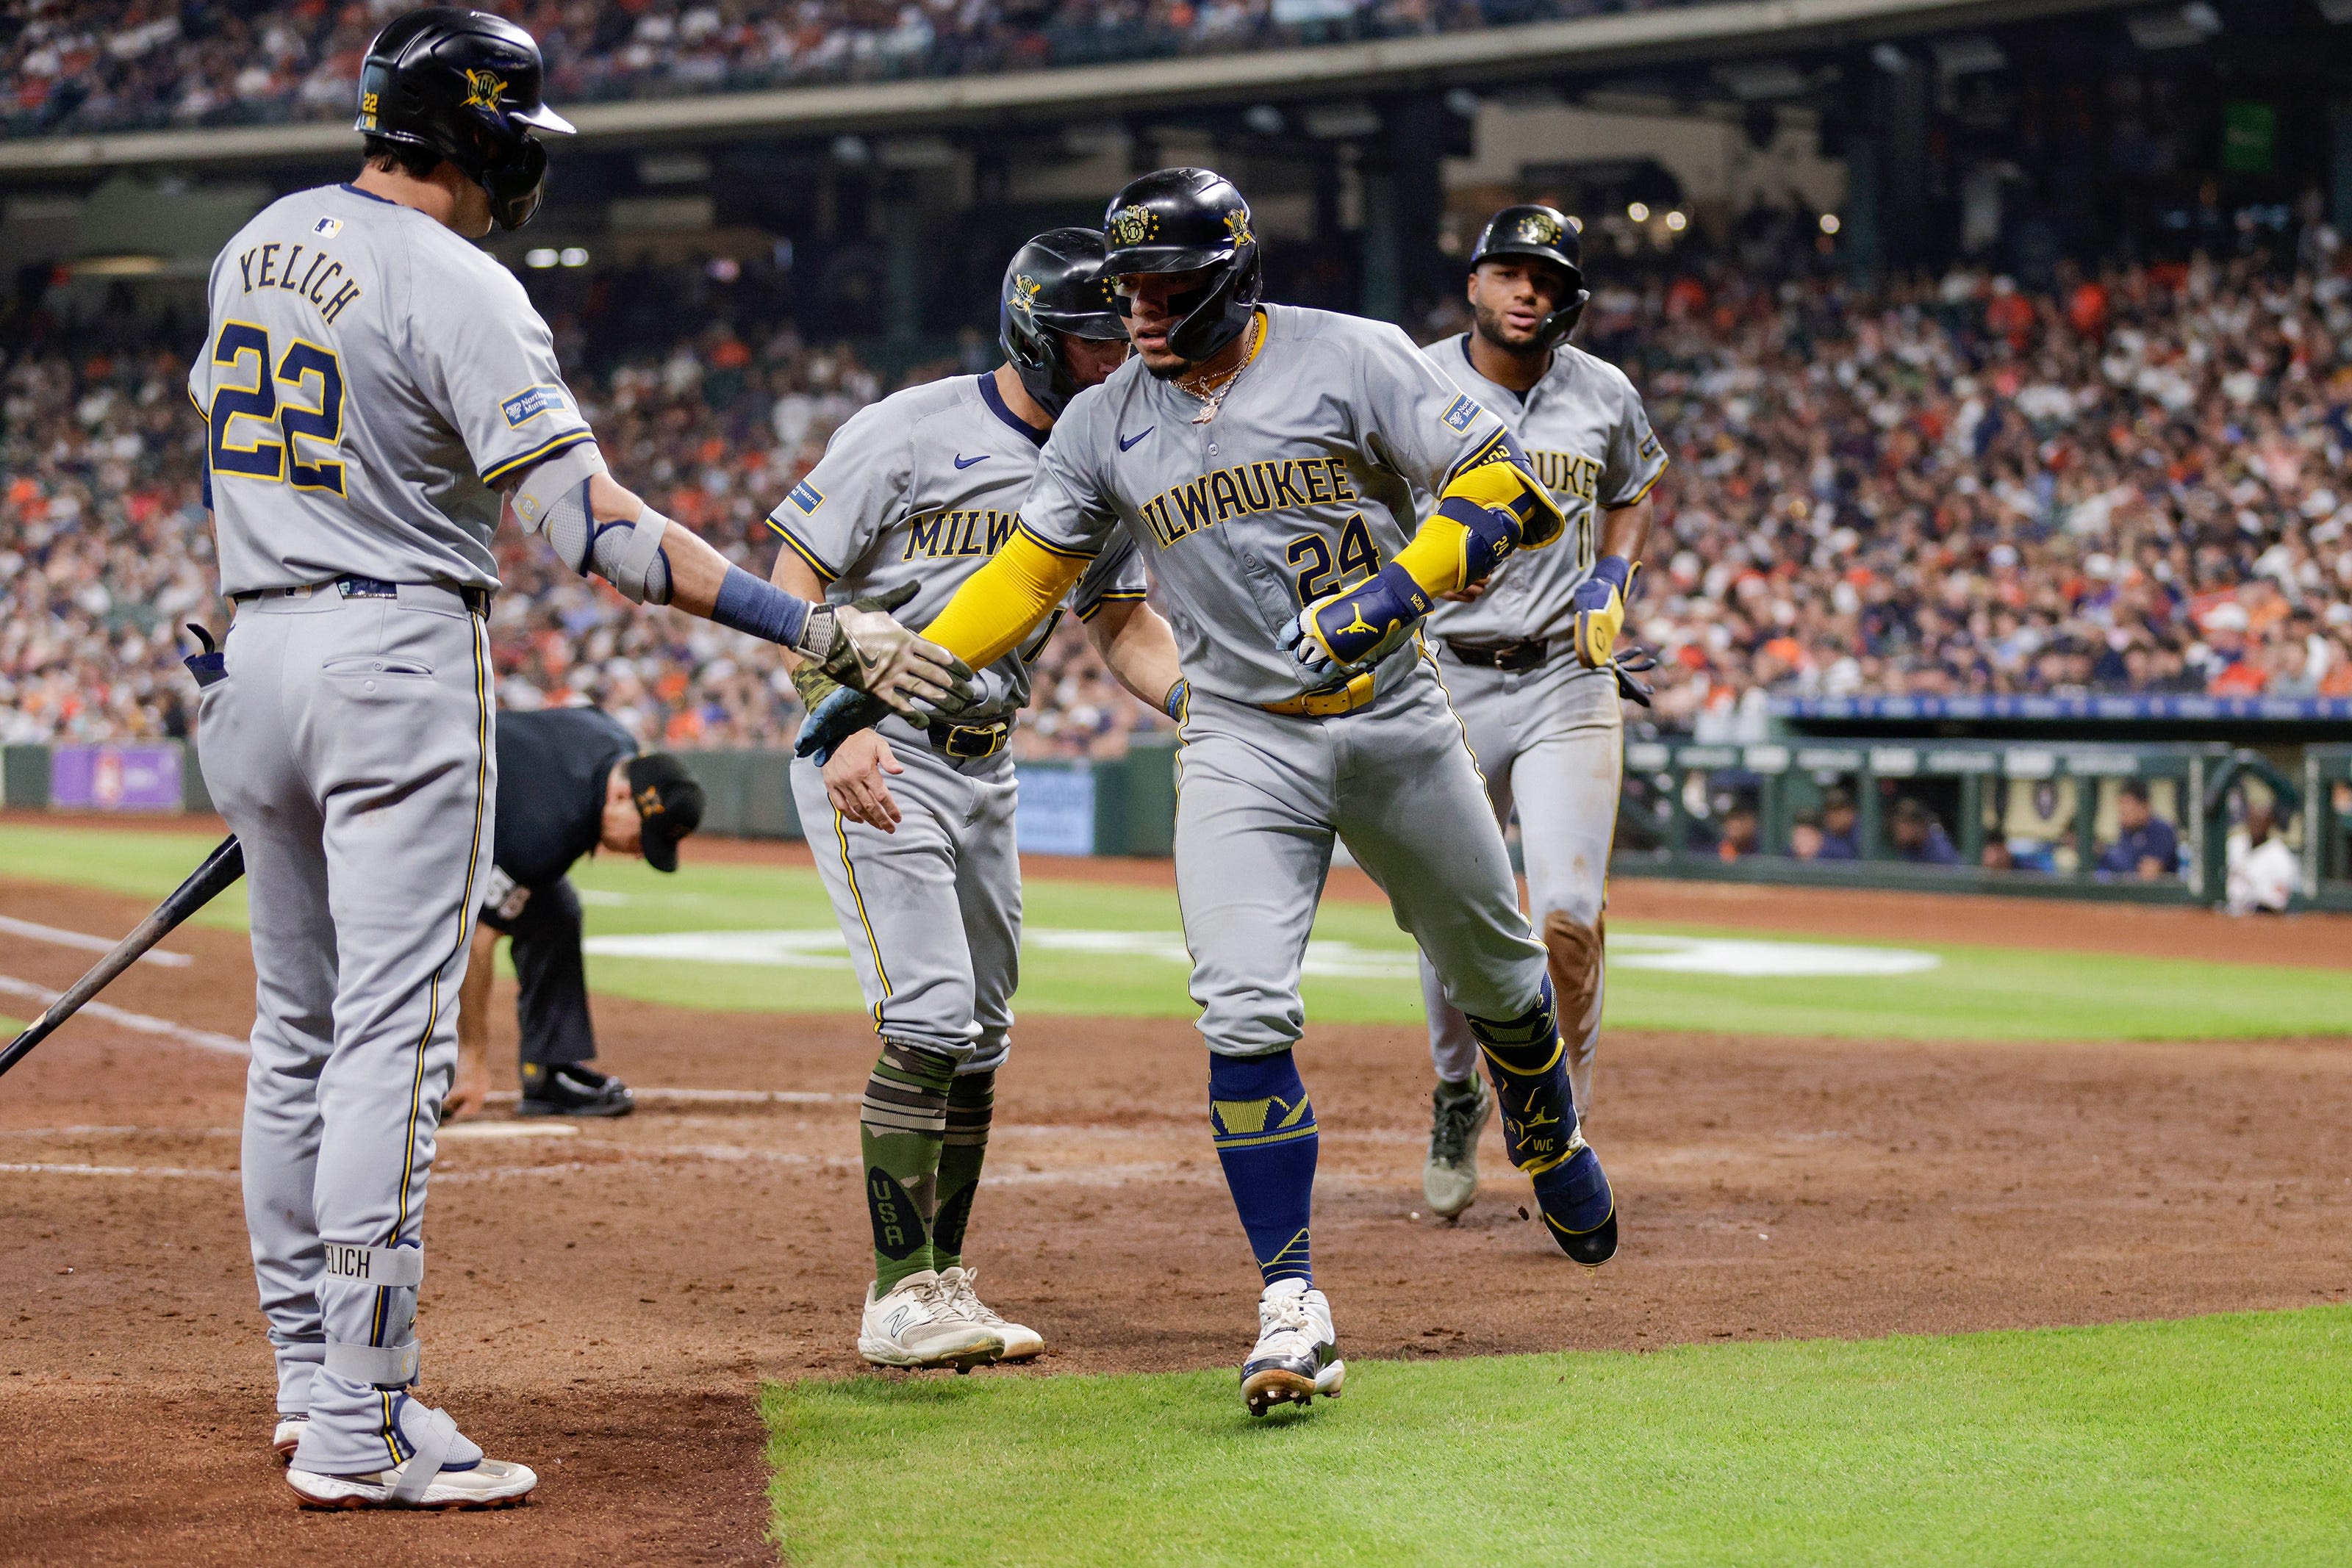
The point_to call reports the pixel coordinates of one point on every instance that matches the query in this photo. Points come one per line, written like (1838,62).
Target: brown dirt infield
(602,1304)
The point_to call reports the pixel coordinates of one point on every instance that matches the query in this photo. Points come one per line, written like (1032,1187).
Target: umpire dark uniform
(570,781)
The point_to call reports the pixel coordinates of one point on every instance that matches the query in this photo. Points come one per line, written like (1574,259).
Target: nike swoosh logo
(1127,442)
(963,462)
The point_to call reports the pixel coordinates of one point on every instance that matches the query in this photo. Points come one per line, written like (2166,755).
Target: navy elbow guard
(1494,534)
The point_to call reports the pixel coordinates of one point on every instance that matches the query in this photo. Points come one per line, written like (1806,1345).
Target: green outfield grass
(2213,1440)
(1975,993)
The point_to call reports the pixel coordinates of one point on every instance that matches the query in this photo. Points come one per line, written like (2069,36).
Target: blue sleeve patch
(807,498)
(531,402)
(1463,412)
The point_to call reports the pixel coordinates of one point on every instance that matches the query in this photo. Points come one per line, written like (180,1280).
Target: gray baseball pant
(1550,742)
(349,749)
(1261,797)
(931,912)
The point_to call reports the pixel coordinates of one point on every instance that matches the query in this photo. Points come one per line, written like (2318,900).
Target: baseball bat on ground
(221,868)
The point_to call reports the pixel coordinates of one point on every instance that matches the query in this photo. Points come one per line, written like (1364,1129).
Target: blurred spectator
(1841,827)
(1918,837)
(1997,856)
(1805,836)
(1739,833)
(2263,872)
(2146,845)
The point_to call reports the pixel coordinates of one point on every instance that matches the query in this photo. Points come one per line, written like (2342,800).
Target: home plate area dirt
(602,1299)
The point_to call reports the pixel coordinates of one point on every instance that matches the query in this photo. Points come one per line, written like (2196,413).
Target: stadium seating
(78,65)
(2130,484)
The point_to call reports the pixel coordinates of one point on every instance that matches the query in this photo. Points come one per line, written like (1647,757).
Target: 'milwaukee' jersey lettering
(923,488)
(372,377)
(1588,440)
(1303,484)
(1286,484)
(979,533)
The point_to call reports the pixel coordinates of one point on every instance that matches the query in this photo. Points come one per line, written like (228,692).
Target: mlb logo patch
(1649,447)
(326,228)
(1459,416)
(806,496)
(530,403)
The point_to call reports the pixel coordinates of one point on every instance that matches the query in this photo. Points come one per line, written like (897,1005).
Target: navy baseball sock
(1264,1126)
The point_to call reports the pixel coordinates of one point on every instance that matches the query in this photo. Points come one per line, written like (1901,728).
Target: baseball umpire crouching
(571,782)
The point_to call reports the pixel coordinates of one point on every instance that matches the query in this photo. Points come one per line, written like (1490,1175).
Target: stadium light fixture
(574,255)
(1829,225)
(1638,210)
(1677,221)
(541,258)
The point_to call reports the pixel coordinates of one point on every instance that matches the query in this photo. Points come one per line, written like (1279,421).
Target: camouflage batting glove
(1599,606)
(1344,633)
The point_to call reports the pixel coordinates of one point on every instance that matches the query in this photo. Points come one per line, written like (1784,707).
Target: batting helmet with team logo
(1054,288)
(466,85)
(1189,220)
(1546,234)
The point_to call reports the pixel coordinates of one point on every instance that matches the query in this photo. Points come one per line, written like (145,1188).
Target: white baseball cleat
(1298,1355)
(286,1437)
(426,1478)
(1450,1180)
(959,1287)
(917,1325)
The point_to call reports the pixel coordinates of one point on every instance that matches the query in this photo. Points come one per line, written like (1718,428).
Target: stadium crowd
(2132,483)
(82,65)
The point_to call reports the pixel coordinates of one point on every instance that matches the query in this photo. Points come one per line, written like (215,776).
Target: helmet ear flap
(516,185)
(1562,321)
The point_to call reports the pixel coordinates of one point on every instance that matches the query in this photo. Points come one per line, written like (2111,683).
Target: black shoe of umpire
(568,1088)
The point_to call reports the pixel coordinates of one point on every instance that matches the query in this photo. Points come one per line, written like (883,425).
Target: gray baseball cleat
(441,1469)
(1450,1180)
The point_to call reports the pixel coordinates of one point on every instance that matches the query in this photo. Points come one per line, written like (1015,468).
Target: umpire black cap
(466,85)
(669,805)
(1546,234)
(1188,220)
(1054,286)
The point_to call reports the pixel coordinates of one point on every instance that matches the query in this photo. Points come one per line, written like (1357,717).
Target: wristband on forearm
(1616,571)
(762,609)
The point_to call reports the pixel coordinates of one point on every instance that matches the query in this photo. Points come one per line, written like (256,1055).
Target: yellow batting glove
(1599,605)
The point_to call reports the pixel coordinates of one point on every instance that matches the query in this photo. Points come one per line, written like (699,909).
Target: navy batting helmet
(1055,286)
(1545,234)
(1188,220)
(466,85)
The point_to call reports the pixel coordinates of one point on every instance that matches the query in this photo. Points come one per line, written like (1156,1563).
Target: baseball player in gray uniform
(913,822)
(373,383)
(1526,657)
(1264,460)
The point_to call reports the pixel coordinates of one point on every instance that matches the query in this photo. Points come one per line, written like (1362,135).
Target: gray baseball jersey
(1549,739)
(1302,483)
(923,488)
(369,378)
(1585,431)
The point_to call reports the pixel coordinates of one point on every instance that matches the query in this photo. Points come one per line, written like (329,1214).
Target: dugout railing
(2328,835)
(1923,814)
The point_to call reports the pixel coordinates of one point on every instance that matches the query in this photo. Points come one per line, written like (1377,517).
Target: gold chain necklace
(1211,397)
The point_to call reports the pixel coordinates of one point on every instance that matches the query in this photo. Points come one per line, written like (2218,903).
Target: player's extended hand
(854,780)
(864,649)
(1343,633)
(834,720)
(1599,606)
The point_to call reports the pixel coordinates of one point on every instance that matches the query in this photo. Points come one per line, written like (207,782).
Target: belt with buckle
(351,585)
(970,742)
(1326,702)
(1500,655)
